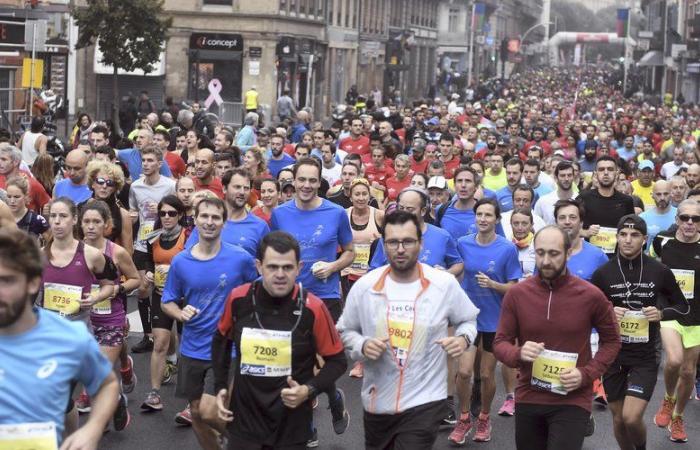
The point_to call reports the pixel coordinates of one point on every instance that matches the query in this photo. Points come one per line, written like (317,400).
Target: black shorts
(335,307)
(142,260)
(634,381)
(159,319)
(194,378)
(414,428)
(487,339)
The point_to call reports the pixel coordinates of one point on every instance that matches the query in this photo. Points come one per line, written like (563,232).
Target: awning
(103,69)
(652,58)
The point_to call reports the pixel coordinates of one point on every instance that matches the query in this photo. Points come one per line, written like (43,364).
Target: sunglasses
(103,182)
(168,213)
(687,217)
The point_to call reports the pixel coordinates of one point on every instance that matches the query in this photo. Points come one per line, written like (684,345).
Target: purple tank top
(63,287)
(109,313)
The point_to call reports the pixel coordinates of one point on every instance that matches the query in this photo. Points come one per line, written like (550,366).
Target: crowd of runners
(548,232)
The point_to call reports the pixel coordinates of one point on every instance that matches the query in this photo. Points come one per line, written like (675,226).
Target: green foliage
(130,33)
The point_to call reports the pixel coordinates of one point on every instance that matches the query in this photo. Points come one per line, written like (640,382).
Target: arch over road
(568,37)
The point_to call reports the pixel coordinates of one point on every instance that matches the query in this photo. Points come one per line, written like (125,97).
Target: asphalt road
(158,431)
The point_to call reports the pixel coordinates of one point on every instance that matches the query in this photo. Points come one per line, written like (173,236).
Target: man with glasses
(439,249)
(396,321)
(681,337)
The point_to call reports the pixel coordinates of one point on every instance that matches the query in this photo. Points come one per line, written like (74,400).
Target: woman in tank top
(72,267)
(106,181)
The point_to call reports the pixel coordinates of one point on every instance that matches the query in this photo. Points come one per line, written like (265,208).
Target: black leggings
(549,427)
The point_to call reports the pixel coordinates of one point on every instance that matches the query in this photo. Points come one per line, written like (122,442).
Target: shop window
(217,2)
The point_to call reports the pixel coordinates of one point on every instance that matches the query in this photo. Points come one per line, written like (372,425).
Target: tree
(130,34)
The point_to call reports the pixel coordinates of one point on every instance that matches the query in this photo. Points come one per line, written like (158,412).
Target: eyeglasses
(408,244)
(104,181)
(687,217)
(168,213)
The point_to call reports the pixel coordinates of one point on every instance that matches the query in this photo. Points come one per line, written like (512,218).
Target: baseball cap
(437,182)
(286,184)
(646,164)
(632,221)
(504,141)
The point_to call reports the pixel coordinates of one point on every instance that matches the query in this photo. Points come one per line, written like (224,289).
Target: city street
(158,431)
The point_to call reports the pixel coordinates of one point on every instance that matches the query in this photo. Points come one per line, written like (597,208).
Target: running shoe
(508,408)
(340,415)
(599,395)
(169,371)
(152,402)
(461,431)
(121,418)
(82,403)
(145,345)
(663,416)
(590,427)
(677,430)
(483,429)
(184,417)
(313,442)
(128,377)
(357,370)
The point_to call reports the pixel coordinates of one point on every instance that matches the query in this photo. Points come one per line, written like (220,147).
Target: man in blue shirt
(514,172)
(37,378)
(132,157)
(320,227)
(277,159)
(203,275)
(585,258)
(439,248)
(74,185)
(242,228)
(663,215)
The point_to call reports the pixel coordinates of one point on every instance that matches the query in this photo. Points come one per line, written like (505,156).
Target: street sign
(36,80)
(38,40)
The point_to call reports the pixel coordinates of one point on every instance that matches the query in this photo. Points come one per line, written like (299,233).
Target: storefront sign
(255,52)
(216,41)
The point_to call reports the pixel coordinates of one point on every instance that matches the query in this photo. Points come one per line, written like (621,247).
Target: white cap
(437,182)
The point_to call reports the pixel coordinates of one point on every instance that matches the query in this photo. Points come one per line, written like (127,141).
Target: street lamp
(541,24)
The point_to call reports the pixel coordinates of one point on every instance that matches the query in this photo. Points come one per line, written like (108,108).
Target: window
(283,6)
(453,20)
(217,2)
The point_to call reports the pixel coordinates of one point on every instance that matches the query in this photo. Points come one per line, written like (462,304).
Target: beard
(558,271)
(13,311)
(404,266)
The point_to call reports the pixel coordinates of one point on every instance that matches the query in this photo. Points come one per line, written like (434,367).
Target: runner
(73,356)
(106,181)
(321,228)
(584,257)
(523,198)
(522,224)
(492,270)
(514,172)
(242,228)
(643,292)
(269,198)
(144,195)
(162,249)
(203,276)
(662,216)
(278,315)
(185,191)
(681,338)
(108,321)
(546,323)
(74,185)
(17,189)
(439,249)
(564,174)
(395,321)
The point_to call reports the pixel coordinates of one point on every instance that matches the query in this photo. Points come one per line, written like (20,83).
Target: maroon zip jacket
(562,318)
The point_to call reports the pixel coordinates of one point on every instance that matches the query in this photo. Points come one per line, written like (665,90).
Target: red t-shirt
(359,146)
(418,167)
(38,197)
(215,186)
(290,149)
(176,163)
(379,175)
(451,166)
(394,186)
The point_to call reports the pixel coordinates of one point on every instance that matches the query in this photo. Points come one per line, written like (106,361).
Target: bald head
(76,161)
(693,175)
(552,247)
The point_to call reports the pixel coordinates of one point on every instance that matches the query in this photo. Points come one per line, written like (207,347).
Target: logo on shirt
(47,369)
(222,280)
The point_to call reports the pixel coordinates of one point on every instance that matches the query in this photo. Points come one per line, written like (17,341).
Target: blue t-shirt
(657,223)
(542,190)
(497,260)
(38,366)
(205,285)
(461,223)
(79,193)
(274,166)
(505,198)
(319,232)
(247,233)
(132,158)
(439,249)
(585,262)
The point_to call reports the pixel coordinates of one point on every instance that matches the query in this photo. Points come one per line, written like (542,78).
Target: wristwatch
(313,392)
(466,338)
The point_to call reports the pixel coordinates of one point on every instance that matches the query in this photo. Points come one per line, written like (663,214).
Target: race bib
(28,436)
(160,275)
(634,328)
(145,229)
(400,322)
(547,369)
(62,298)
(686,281)
(266,353)
(606,239)
(101,308)
(361,261)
